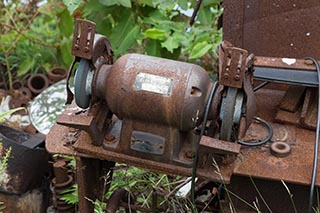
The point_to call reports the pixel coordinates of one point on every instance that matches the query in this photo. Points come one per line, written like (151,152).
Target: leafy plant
(33,39)
(143,185)
(4,115)
(155,27)
(70,196)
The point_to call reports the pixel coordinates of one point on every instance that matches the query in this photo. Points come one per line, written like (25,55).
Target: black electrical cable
(203,128)
(316,144)
(258,143)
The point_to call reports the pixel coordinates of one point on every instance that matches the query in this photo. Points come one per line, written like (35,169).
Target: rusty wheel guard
(147,112)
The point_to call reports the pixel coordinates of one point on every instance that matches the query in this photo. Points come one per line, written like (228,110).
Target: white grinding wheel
(81,93)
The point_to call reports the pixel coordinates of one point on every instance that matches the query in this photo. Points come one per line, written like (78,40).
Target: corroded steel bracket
(85,123)
(233,67)
(83,38)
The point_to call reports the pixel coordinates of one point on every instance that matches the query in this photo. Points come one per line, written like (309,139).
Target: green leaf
(124,34)
(153,48)
(9,112)
(65,22)
(52,8)
(128,40)
(65,51)
(170,25)
(171,43)
(205,16)
(155,33)
(108,2)
(200,49)
(174,55)
(164,4)
(146,2)
(72,5)
(183,4)
(25,66)
(125,3)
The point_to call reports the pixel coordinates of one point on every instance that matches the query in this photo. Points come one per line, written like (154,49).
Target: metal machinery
(168,116)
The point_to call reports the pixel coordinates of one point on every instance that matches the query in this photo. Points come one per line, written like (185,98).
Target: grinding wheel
(81,84)
(230,114)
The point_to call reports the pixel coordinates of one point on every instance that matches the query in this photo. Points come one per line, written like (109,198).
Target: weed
(3,167)
(290,195)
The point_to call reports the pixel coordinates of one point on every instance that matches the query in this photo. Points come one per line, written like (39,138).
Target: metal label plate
(153,83)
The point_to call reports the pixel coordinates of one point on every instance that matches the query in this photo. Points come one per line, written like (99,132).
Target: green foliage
(141,184)
(35,38)
(32,38)
(70,196)
(156,27)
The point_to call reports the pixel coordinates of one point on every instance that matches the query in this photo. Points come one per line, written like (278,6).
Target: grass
(150,190)
(159,192)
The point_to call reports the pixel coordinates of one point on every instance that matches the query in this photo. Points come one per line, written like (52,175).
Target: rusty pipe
(25,92)
(57,73)
(37,83)
(17,84)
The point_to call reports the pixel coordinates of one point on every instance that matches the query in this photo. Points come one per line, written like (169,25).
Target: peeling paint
(289,61)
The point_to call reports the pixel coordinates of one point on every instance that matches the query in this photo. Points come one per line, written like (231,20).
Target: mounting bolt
(226,75)
(237,77)
(110,138)
(76,46)
(189,154)
(86,49)
(308,62)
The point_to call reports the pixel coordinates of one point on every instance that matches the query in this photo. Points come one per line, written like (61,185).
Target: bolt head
(109,137)
(189,154)
(308,62)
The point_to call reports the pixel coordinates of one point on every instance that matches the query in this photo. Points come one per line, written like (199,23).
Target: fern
(70,196)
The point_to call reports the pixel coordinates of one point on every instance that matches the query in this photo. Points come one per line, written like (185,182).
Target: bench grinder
(158,106)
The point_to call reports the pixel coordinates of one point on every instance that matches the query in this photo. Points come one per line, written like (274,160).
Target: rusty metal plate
(207,172)
(259,162)
(273,28)
(60,138)
(285,63)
